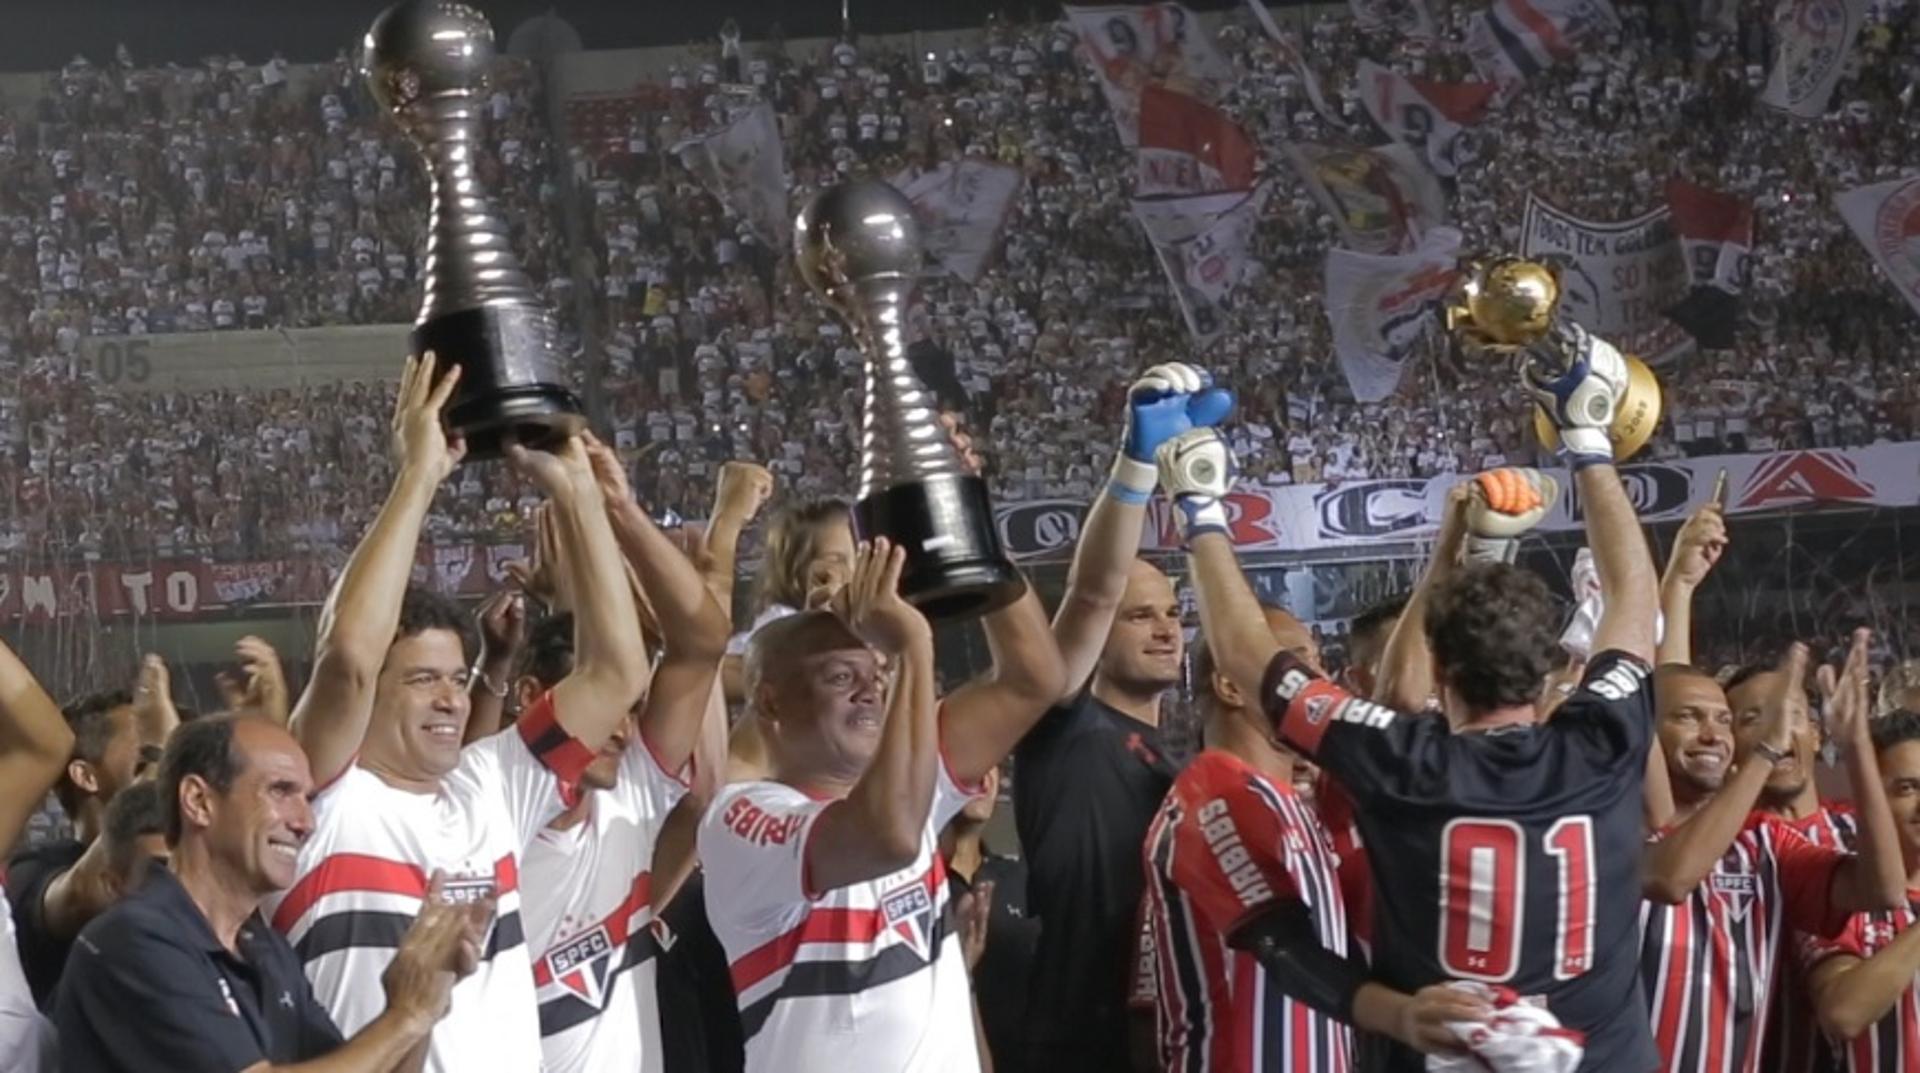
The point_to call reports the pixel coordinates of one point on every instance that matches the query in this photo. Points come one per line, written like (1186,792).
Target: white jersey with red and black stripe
(864,977)
(363,875)
(1228,845)
(1708,963)
(1891,1044)
(588,903)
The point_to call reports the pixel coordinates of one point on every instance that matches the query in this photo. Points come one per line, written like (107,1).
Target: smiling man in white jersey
(382,720)
(589,876)
(823,882)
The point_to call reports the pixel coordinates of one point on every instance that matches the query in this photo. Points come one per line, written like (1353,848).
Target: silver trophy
(857,245)
(427,63)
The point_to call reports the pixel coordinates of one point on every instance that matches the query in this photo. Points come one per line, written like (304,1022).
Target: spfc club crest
(583,966)
(909,912)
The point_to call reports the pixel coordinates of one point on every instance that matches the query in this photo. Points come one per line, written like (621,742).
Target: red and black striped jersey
(1892,1044)
(1793,1043)
(1707,964)
(1227,845)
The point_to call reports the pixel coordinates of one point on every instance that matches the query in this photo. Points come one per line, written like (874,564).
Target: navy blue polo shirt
(149,988)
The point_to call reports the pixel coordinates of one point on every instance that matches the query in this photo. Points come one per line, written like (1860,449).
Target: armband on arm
(1283,941)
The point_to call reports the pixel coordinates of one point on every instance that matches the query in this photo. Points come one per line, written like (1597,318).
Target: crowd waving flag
(744,165)
(1380,307)
(1188,146)
(1716,241)
(1617,277)
(1133,47)
(1382,199)
(963,206)
(1886,219)
(1407,17)
(1813,39)
(1426,114)
(1289,55)
(1201,241)
(1513,40)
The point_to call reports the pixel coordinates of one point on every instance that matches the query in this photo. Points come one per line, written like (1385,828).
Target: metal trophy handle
(1509,309)
(426,63)
(857,246)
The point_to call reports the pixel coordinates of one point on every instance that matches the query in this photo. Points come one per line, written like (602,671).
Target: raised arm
(1875,877)
(877,828)
(740,493)
(359,618)
(609,662)
(154,715)
(1696,548)
(35,743)
(982,721)
(503,635)
(1165,402)
(1405,680)
(1677,864)
(1627,583)
(693,626)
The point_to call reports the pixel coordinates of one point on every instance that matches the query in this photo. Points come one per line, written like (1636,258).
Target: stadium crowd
(147,200)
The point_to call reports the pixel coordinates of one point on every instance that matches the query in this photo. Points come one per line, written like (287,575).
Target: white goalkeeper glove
(1577,379)
(1196,472)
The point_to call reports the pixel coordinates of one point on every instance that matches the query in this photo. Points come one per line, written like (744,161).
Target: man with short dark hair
(185,975)
(60,886)
(1505,850)
(383,718)
(1367,643)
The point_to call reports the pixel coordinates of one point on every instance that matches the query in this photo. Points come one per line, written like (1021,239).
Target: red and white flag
(1133,47)
(1380,307)
(1426,114)
(1188,146)
(1202,244)
(1514,40)
(1409,17)
(963,205)
(1814,38)
(1716,240)
(1886,219)
(1382,199)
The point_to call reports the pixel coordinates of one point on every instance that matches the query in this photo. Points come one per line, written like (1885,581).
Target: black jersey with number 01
(1509,856)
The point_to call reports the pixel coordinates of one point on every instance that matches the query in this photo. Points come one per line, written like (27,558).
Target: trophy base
(955,569)
(505,394)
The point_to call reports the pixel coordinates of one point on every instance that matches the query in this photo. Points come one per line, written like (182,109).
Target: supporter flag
(1814,38)
(1380,306)
(1716,238)
(744,166)
(1296,63)
(1188,146)
(1886,218)
(962,206)
(1423,113)
(1409,17)
(1382,199)
(1514,40)
(1133,47)
(1201,241)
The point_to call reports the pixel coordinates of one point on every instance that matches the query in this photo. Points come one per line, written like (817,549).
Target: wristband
(1132,481)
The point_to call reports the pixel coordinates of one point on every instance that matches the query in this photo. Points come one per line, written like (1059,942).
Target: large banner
(1133,47)
(1202,244)
(962,206)
(186,588)
(1385,513)
(1814,38)
(1382,199)
(291,359)
(1617,279)
(744,165)
(1426,115)
(1886,219)
(1380,306)
(1188,146)
(1515,40)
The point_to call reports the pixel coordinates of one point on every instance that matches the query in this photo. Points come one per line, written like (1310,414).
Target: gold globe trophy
(1507,307)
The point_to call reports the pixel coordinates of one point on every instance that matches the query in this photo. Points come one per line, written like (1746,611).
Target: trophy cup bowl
(426,63)
(857,247)
(1505,306)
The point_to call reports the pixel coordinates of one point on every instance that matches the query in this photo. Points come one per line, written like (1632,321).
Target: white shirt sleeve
(534,763)
(652,786)
(949,797)
(753,847)
(26,1039)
